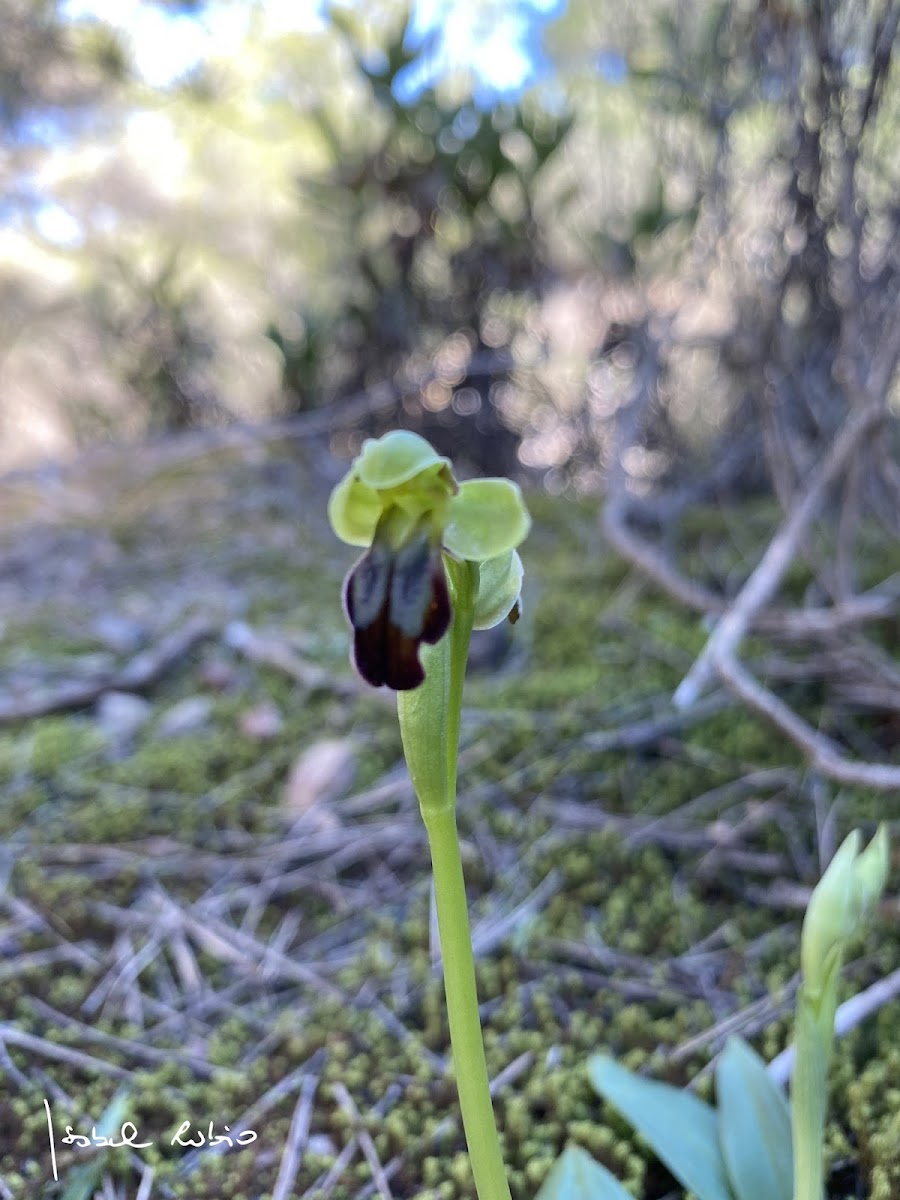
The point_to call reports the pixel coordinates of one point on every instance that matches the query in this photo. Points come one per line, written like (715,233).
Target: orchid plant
(756,1144)
(441,559)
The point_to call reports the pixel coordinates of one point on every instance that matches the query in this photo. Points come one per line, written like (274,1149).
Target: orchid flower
(401,501)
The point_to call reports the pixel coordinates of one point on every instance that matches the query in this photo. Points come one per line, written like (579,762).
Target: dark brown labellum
(395,601)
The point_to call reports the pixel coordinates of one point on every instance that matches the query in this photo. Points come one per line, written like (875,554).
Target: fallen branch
(298,1135)
(779,555)
(824,754)
(275,652)
(47,1049)
(144,670)
(651,730)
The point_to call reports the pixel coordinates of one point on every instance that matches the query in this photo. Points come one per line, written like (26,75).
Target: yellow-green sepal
(485,519)
(394,459)
(354,511)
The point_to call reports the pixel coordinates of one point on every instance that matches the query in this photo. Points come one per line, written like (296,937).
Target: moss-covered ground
(190,920)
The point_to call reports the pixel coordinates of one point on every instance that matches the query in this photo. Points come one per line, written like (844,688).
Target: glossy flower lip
(401,501)
(395,600)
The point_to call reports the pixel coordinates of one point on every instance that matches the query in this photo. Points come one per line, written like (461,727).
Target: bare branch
(764,580)
(824,754)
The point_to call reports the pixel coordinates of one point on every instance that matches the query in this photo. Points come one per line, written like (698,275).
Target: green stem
(462,1008)
(464,583)
(813,1039)
(429,726)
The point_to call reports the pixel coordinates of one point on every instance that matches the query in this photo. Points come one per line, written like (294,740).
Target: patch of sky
(57,225)
(163,44)
(498,42)
(45,128)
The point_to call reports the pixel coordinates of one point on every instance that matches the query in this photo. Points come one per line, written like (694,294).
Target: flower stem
(429,726)
(462,1008)
(808,1100)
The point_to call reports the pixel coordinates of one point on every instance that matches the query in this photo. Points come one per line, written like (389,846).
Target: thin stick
(366,1144)
(75,1058)
(296,1140)
(138,1050)
(136,676)
(258,1109)
(143,1192)
(825,755)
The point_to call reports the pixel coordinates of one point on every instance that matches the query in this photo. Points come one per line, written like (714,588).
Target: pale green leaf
(872,869)
(754,1126)
(423,713)
(830,913)
(682,1131)
(575,1176)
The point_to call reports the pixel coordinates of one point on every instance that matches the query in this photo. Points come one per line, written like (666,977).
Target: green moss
(605,963)
(61,741)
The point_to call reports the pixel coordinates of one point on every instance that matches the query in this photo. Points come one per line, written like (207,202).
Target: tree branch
(779,555)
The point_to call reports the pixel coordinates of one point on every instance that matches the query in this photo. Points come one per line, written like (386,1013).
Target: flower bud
(841,901)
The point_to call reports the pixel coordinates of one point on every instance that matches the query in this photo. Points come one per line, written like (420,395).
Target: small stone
(217,674)
(121,714)
(261,722)
(321,774)
(123,635)
(187,716)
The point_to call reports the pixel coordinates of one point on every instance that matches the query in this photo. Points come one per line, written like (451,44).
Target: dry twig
(781,551)
(298,1134)
(144,670)
(823,753)
(379,1177)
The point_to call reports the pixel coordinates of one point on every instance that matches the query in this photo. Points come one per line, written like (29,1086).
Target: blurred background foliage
(292,226)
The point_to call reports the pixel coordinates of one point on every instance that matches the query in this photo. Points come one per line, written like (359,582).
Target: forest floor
(215,905)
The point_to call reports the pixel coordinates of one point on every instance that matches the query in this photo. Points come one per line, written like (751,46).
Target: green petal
(354,511)
(395,458)
(499,586)
(487,518)
(872,868)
